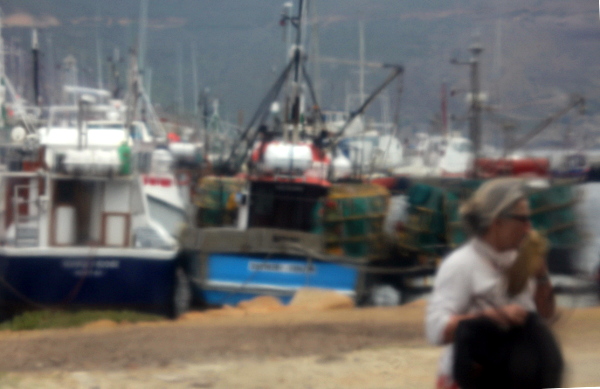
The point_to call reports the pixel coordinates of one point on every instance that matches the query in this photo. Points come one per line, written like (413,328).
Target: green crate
(434,220)
(356,249)
(355,228)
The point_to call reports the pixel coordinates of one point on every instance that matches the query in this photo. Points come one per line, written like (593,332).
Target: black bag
(487,356)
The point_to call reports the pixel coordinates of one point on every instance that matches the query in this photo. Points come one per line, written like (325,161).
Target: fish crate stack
(423,238)
(434,226)
(553,214)
(352,220)
(215,201)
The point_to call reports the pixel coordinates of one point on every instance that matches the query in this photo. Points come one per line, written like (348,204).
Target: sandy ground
(261,345)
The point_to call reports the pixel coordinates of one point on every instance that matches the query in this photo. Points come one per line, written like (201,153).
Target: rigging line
(397,70)
(21,296)
(90,265)
(397,122)
(265,113)
(297,57)
(273,92)
(313,95)
(253,140)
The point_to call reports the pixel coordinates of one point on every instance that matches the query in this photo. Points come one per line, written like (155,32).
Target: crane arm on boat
(397,70)
(575,101)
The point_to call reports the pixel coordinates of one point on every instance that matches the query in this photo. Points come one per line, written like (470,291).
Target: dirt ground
(261,345)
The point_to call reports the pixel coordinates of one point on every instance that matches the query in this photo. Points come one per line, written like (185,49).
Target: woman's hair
(490,201)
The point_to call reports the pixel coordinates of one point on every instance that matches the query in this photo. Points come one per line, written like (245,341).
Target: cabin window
(287,206)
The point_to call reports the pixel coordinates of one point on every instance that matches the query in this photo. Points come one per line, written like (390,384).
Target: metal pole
(99,72)
(180,80)
(36,77)
(315,50)
(148,78)
(297,108)
(142,34)
(361,56)
(50,72)
(80,117)
(509,132)
(195,91)
(475,111)
(2,76)
(287,12)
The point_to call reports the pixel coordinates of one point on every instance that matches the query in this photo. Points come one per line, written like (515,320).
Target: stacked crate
(434,225)
(425,228)
(353,217)
(215,200)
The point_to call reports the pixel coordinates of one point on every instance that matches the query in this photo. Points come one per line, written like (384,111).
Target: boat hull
(137,279)
(232,278)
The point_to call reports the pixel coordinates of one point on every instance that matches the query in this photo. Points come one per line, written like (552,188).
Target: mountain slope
(535,50)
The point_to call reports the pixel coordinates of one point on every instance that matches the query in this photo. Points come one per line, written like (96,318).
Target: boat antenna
(35,50)
(2,77)
(195,92)
(142,34)
(297,56)
(475,97)
(133,89)
(180,80)
(115,62)
(100,78)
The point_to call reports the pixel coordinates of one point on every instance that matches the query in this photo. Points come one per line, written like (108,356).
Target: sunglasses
(520,218)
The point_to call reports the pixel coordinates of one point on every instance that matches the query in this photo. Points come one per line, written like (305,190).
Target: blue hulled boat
(268,235)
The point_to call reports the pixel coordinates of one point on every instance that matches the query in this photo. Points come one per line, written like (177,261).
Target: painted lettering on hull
(293,268)
(90,267)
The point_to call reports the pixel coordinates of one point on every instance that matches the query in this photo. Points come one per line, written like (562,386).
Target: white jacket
(470,280)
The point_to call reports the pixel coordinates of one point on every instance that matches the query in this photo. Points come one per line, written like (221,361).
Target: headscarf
(489,201)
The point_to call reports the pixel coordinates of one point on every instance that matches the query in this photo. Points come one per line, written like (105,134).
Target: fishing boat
(76,229)
(278,216)
(282,227)
(105,128)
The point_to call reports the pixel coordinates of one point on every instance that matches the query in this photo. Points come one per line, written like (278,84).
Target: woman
(472,281)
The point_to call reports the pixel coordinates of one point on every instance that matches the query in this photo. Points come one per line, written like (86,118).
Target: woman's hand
(543,297)
(507,315)
(542,272)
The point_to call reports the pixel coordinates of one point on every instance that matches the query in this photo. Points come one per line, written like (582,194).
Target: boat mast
(114,61)
(475,111)
(295,85)
(240,148)
(50,72)
(314,42)
(2,78)
(133,89)
(475,97)
(444,109)
(286,17)
(142,34)
(35,50)
(99,74)
(180,80)
(195,91)
(361,58)
(148,80)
